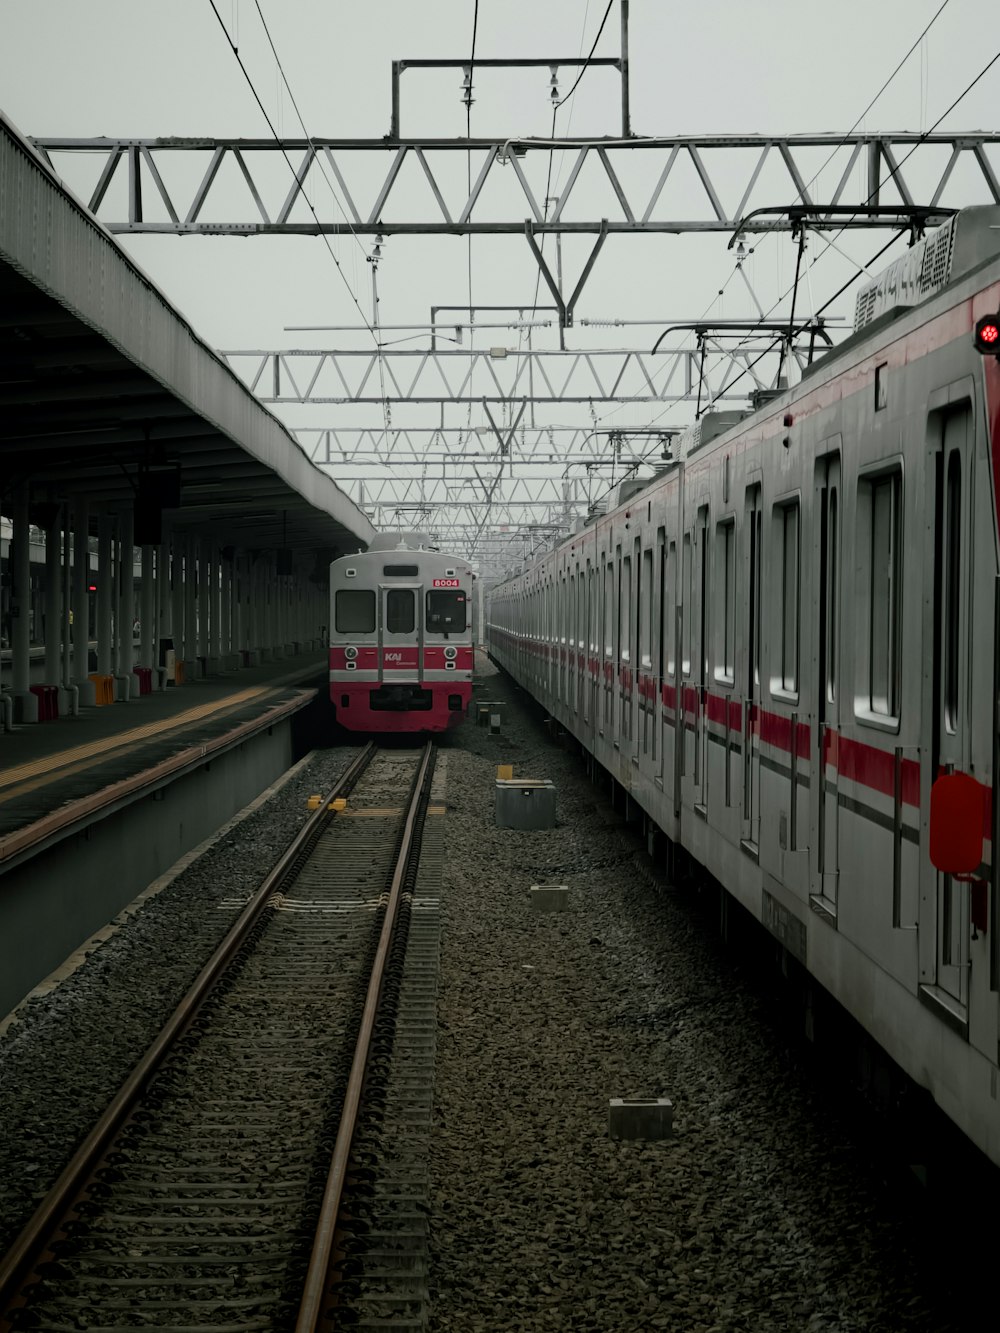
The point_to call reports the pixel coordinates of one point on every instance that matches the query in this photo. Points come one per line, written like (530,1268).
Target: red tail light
(987,337)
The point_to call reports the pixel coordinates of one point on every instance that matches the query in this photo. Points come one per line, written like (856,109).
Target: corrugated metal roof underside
(100,376)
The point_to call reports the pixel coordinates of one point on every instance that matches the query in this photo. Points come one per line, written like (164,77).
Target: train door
(658,631)
(590,677)
(753,526)
(670,643)
(608,646)
(828,682)
(698,609)
(637,669)
(626,661)
(400,641)
(951,738)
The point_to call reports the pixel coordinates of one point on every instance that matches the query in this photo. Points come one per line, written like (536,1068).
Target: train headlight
(350,654)
(451,654)
(987,335)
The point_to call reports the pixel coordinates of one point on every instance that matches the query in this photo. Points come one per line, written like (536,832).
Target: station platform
(57,776)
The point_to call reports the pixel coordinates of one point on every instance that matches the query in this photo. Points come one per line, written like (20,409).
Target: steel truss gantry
(491,375)
(423,448)
(422,187)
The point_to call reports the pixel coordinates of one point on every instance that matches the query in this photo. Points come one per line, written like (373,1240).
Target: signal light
(987,338)
(91,587)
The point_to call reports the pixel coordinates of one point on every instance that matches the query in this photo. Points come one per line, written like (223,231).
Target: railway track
(253,1172)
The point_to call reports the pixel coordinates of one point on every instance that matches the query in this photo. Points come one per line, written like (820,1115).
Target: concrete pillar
(177,629)
(264,593)
(204,602)
(191,607)
(25,703)
(105,531)
(213,565)
(279,608)
(248,610)
(81,602)
(226,618)
(288,612)
(147,611)
(238,624)
(163,610)
(277,605)
(66,619)
(256,610)
(125,569)
(53,599)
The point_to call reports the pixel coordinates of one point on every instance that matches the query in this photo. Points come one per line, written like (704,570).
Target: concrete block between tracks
(549,897)
(640,1118)
(525,803)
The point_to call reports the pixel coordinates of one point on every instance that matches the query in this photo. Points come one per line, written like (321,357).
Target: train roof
(950,254)
(401,541)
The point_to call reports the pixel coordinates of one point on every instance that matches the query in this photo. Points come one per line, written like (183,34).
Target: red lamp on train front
(987,335)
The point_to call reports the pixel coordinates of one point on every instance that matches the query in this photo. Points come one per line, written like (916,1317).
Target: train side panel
(778,647)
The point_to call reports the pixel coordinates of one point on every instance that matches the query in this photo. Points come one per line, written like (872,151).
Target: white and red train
(784,644)
(401,651)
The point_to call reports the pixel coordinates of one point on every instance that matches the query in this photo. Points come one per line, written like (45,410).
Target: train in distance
(401,637)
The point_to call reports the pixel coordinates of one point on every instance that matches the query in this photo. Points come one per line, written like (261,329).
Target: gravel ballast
(761,1213)
(764,1211)
(69,1048)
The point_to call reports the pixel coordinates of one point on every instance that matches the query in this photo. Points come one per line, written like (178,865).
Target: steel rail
(20,1262)
(317,1277)
(60,823)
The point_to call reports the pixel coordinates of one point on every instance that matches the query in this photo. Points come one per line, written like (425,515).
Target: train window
(884,600)
(789,524)
(952,589)
(756,526)
(725,643)
(355,611)
(609,610)
(581,609)
(646,611)
(687,605)
(625,609)
(880,394)
(400,571)
(670,612)
(400,611)
(446,612)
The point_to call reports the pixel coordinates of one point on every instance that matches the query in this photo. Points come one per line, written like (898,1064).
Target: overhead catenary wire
(816,175)
(840,231)
(830,243)
(839,292)
(811,264)
(468,182)
(555,110)
(250,83)
(270,124)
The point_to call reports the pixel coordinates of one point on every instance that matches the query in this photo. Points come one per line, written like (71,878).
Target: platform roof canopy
(105,390)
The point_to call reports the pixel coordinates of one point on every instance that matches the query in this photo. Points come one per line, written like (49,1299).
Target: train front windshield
(446,612)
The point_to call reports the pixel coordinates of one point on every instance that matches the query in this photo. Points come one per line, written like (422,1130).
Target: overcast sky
(138,68)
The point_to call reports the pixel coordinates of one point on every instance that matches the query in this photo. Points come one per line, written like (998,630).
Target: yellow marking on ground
(72,761)
(436,809)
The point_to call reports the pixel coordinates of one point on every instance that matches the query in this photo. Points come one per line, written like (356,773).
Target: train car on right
(785,649)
